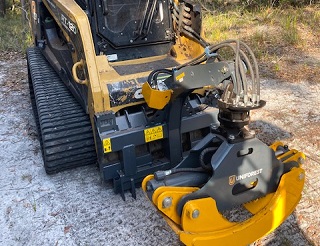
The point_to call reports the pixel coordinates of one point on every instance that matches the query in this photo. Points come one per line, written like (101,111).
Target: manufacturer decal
(71,27)
(125,91)
(234,178)
(51,4)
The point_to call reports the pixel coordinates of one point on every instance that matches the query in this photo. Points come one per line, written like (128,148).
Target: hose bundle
(244,59)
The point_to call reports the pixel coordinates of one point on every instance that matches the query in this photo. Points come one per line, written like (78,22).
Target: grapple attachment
(200,223)
(229,168)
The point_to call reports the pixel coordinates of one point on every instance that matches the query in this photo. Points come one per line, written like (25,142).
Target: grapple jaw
(200,221)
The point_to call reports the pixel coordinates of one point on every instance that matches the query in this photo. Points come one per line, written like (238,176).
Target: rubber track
(64,129)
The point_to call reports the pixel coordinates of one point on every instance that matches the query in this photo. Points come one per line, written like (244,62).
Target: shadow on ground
(269,133)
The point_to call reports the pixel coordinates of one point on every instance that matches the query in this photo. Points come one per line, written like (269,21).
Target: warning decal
(107,145)
(153,133)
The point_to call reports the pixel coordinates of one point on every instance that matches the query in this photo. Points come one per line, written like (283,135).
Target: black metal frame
(130,166)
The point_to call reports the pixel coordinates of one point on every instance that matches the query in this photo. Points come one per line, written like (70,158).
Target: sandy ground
(75,208)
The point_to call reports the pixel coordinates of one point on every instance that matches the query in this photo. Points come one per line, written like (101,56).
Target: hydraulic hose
(241,51)
(161,175)
(152,78)
(206,166)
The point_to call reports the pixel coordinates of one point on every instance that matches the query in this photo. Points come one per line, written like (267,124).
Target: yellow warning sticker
(107,145)
(153,133)
(180,76)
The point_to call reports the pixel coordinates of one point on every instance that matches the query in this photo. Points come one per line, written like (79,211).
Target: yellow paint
(175,194)
(186,49)
(98,71)
(180,76)
(154,98)
(209,219)
(152,134)
(107,145)
(74,73)
(267,219)
(144,182)
(291,155)
(210,227)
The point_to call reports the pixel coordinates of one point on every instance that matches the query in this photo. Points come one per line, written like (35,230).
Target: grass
(284,39)
(261,25)
(290,32)
(14,36)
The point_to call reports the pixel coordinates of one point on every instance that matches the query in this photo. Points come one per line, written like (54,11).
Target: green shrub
(14,35)
(254,4)
(290,32)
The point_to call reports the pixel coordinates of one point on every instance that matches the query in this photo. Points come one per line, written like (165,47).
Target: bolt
(224,70)
(301,176)
(195,213)
(214,126)
(167,202)
(231,137)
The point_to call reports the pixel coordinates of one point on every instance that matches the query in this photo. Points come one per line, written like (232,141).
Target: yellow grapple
(202,224)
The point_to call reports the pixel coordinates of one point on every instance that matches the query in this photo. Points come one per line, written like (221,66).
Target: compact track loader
(133,86)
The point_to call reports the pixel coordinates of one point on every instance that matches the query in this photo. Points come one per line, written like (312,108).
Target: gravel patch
(75,208)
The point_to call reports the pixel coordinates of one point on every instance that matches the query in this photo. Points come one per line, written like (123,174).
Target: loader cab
(127,29)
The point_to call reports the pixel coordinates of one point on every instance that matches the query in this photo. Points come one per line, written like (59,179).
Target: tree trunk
(23,12)
(2,8)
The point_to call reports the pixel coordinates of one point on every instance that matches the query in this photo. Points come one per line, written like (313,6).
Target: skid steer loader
(133,86)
